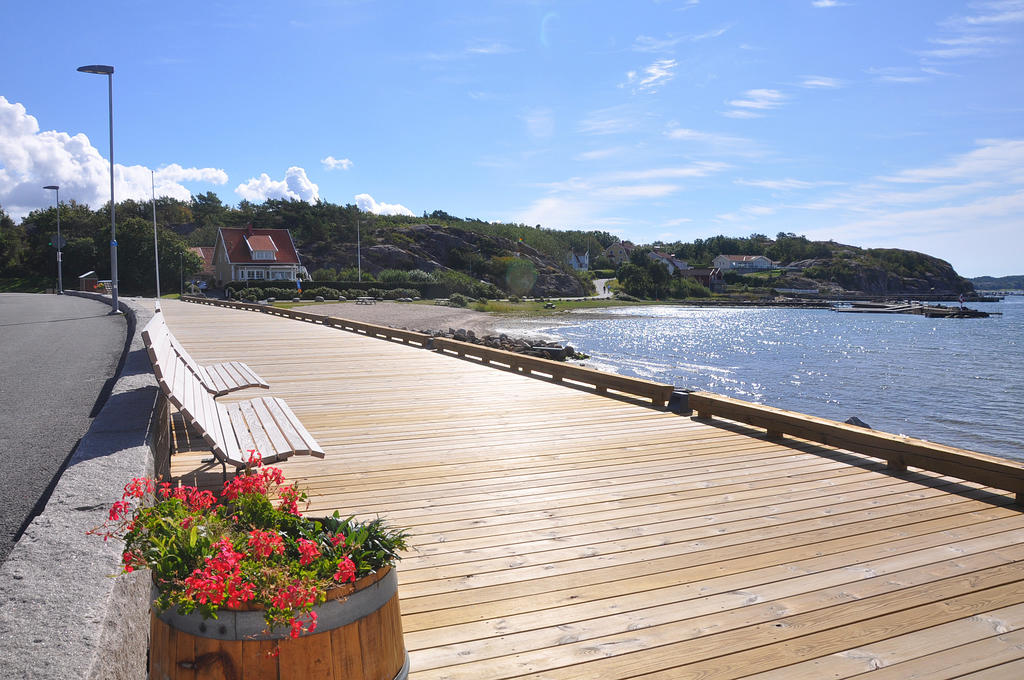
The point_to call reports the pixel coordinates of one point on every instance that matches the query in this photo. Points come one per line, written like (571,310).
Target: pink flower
(337,539)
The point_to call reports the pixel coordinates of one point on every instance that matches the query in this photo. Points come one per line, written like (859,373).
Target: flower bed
(249,548)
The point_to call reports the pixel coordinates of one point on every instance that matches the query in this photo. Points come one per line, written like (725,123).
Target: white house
(256,255)
(579,262)
(671,263)
(743,262)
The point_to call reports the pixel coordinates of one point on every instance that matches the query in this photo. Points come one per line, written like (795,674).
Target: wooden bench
(232,430)
(218,379)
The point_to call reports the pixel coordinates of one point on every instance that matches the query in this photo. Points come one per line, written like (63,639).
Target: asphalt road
(57,353)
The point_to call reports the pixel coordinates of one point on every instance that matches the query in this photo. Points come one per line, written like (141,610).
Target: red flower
(138,487)
(308,551)
(119,509)
(346,570)
(265,543)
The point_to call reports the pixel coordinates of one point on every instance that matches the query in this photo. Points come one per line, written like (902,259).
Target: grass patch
(25,284)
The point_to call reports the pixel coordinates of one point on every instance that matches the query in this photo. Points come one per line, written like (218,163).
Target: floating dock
(919,308)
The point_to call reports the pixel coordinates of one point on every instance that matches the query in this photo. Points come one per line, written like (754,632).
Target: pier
(934,311)
(565,528)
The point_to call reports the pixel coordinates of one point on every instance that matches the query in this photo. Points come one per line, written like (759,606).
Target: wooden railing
(897,451)
(558,371)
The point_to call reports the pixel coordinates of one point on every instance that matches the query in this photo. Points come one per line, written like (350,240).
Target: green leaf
(193,535)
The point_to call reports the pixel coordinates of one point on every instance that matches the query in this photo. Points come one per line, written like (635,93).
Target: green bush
(458,300)
(396,293)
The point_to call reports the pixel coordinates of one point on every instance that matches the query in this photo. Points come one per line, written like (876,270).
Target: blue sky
(895,123)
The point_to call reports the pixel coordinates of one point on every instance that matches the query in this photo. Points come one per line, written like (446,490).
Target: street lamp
(156,252)
(108,71)
(60,267)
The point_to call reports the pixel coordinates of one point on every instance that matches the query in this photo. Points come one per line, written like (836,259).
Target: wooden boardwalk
(566,535)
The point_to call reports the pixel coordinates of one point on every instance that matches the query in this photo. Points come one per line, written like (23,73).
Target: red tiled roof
(238,249)
(261,243)
(206,254)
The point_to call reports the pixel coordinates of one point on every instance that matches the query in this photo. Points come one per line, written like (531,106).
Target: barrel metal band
(250,625)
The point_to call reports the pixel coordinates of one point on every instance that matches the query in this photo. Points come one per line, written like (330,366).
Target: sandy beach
(436,318)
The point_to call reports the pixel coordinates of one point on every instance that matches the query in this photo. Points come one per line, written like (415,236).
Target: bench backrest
(186,391)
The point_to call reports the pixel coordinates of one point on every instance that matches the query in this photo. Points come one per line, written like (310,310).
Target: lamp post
(60,265)
(156,252)
(108,71)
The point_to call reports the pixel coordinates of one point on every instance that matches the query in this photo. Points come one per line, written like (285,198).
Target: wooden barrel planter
(358,637)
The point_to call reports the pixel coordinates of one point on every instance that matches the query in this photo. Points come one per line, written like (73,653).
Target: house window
(254,274)
(263,255)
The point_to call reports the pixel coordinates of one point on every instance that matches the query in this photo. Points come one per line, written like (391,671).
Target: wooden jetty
(930,311)
(565,534)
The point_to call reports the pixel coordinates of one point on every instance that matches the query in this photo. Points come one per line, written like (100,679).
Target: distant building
(743,262)
(709,277)
(256,255)
(207,273)
(579,262)
(671,263)
(619,252)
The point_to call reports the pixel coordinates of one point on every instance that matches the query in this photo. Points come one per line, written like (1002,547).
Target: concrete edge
(62,614)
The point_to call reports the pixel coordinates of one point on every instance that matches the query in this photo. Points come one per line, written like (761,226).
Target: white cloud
(646,43)
(540,123)
(754,102)
(579,202)
(760,99)
(815,82)
(967,209)
(30,159)
(782,184)
(997,12)
(295,185)
(332,163)
(613,120)
(489,47)
(995,157)
(898,74)
(827,3)
(654,76)
(699,169)
(366,203)
(599,154)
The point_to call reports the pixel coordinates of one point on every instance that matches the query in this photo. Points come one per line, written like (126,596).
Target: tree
(208,209)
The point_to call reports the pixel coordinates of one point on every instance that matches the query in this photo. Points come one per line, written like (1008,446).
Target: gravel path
(433,318)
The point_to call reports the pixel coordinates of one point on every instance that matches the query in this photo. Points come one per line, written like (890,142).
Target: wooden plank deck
(561,534)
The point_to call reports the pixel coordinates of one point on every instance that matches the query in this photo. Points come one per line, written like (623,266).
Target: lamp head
(52,186)
(97,68)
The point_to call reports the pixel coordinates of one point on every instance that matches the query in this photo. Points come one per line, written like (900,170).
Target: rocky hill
(881,271)
(513,267)
(999,282)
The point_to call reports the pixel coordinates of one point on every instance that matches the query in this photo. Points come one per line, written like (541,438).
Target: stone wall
(61,613)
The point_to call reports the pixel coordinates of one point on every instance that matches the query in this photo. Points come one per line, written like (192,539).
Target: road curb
(61,613)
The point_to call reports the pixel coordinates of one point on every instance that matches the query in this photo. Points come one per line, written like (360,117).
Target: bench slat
(284,415)
(246,442)
(266,442)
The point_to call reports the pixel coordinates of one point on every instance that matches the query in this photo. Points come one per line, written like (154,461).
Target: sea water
(952,381)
